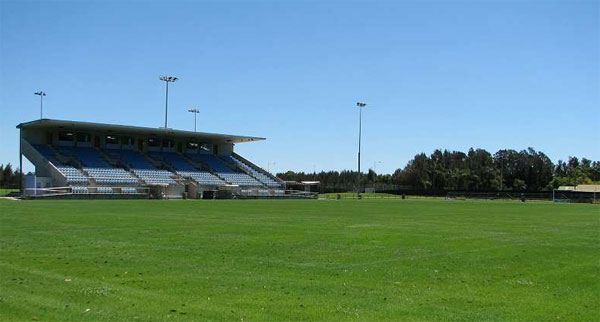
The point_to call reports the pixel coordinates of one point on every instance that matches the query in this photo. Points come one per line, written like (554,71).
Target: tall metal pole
(195,111)
(360,106)
(167,79)
(166,103)
(359,137)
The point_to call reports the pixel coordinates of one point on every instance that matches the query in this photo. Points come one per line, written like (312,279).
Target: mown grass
(305,260)
(354,195)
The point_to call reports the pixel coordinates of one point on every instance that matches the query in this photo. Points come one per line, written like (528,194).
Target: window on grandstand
(192,146)
(112,139)
(153,142)
(168,143)
(83,138)
(65,136)
(127,140)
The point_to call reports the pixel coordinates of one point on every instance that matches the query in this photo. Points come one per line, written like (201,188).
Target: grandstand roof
(132,130)
(581,188)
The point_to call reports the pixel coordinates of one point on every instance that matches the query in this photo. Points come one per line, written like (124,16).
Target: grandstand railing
(274,193)
(81,190)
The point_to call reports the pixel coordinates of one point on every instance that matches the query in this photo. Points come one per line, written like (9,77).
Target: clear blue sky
(454,75)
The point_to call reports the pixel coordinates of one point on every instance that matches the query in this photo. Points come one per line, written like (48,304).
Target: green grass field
(368,195)
(304,260)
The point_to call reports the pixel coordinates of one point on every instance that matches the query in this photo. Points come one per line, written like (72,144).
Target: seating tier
(224,171)
(204,178)
(134,159)
(88,157)
(155,176)
(111,176)
(268,181)
(175,160)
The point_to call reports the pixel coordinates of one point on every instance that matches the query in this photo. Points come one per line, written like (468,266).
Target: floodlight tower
(195,111)
(167,80)
(41,94)
(360,107)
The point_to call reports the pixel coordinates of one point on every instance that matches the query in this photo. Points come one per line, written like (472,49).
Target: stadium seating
(204,178)
(88,157)
(262,177)
(224,171)
(186,170)
(96,166)
(72,174)
(134,159)
(47,153)
(104,174)
(175,160)
(111,176)
(142,167)
(155,176)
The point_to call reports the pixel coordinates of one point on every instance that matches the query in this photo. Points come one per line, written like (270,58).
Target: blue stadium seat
(204,178)
(73,175)
(95,166)
(142,167)
(224,171)
(175,160)
(262,177)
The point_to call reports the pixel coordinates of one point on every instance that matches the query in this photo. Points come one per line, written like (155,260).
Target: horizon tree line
(477,170)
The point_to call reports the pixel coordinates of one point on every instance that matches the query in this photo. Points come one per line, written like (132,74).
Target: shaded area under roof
(137,130)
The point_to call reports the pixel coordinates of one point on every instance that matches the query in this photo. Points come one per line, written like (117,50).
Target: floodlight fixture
(41,94)
(169,79)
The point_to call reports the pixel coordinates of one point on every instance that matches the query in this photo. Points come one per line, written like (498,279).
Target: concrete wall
(224,149)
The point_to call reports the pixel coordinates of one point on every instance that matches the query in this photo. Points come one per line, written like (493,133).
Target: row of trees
(476,170)
(9,178)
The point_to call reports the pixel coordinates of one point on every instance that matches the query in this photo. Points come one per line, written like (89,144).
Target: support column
(21,162)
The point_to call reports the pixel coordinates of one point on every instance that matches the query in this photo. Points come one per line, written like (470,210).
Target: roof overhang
(137,130)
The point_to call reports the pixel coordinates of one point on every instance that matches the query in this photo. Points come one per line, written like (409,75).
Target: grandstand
(94,159)
(579,193)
